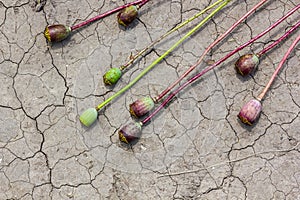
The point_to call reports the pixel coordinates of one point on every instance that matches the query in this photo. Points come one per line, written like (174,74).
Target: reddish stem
(138,2)
(191,80)
(161,95)
(278,40)
(143,3)
(261,96)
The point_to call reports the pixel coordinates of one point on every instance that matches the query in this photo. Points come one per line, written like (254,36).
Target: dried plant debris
(39,5)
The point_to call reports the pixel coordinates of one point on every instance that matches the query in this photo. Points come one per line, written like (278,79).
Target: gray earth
(196,148)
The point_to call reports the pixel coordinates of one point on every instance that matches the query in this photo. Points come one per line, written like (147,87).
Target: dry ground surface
(196,148)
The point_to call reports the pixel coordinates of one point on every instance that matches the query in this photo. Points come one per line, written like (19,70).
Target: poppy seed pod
(112,76)
(250,112)
(88,117)
(247,64)
(57,32)
(141,107)
(127,15)
(130,132)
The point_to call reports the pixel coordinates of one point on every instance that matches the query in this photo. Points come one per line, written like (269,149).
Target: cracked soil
(196,148)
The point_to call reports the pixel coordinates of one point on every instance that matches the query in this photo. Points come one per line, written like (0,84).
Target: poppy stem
(262,52)
(107,13)
(146,70)
(197,76)
(134,57)
(161,95)
(285,57)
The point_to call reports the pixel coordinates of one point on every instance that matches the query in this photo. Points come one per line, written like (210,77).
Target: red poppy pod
(250,112)
(57,32)
(130,132)
(141,107)
(127,15)
(246,64)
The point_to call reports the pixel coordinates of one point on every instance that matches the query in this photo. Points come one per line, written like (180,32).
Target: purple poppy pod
(246,64)
(141,107)
(127,15)
(57,32)
(130,132)
(250,112)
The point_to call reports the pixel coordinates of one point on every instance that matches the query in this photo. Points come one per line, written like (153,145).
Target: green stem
(133,58)
(204,71)
(207,50)
(146,70)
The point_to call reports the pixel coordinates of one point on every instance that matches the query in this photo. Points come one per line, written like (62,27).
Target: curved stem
(161,95)
(261,96)
(142,2)
(191,80)
(146,70)
(133,58)
(278,40)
